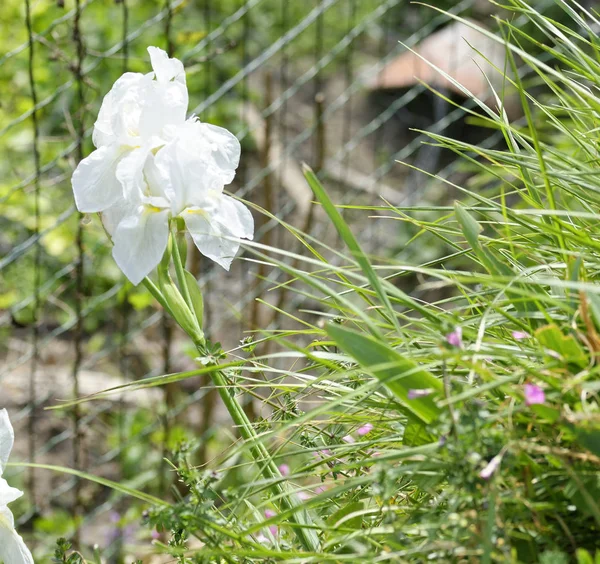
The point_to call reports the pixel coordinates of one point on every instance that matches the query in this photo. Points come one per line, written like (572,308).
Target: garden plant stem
(289,501)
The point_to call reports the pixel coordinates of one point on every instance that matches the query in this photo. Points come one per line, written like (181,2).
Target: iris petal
(140,240)
(95,184)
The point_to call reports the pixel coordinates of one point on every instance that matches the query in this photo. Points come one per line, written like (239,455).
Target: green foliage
(64,555)
(400,419)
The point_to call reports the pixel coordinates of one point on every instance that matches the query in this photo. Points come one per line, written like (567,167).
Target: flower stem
(269,470)
(179,270)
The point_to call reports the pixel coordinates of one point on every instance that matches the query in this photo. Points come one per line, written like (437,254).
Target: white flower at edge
(138,115)
(12,547)
(185,178)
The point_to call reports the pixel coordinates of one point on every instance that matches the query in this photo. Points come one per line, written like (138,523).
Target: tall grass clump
(446,411)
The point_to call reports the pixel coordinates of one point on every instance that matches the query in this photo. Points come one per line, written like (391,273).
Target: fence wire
(290,78)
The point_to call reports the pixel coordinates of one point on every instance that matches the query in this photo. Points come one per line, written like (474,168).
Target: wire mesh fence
(294,80)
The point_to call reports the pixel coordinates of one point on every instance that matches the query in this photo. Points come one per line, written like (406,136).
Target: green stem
(269,470)
(156,293)
(180,271)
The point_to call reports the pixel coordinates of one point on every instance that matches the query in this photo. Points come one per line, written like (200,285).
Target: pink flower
(520,335)
(320,454)
(273,528)
(365,429)
(491,467)
(455,338)
(348,439)
(420,393)
(284,469)
(303,496)
(534,394)
(155,535)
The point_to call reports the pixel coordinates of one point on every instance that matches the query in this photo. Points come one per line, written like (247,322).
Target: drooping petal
(155,178)
(140,242)
(210,238)
(165,68)
(95,184)
(12,547)
(7,438)
(217,228)
(130,173)
(232,215)
(226,150)
(8,494)
(111,217)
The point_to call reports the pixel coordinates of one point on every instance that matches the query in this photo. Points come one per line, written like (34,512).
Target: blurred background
(332,83)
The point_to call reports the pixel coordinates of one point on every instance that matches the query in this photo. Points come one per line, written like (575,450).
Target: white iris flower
(153,165)
(138,115)
(12,547)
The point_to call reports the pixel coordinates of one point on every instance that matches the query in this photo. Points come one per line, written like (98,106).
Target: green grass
(390,474)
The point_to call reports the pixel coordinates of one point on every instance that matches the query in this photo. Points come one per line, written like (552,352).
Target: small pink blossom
(284,469)
(534,395)
(320,489)
(268,514)
(323,453)
(455,338)
(365,429)
(303,496)
(155,535)
(520,335)
(491,467)
(420,393)
(348,439)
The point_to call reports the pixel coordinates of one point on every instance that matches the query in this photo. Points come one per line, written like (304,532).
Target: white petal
(7,438)
(226,149)
(140,241)
(212,241)
(217,228)
(164,68)
(8,494)
(104,130)
(12,546)
(130,173)
(164,104)
(233,216)
(111,217)
(95,184)
(186,178)
(156,178)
